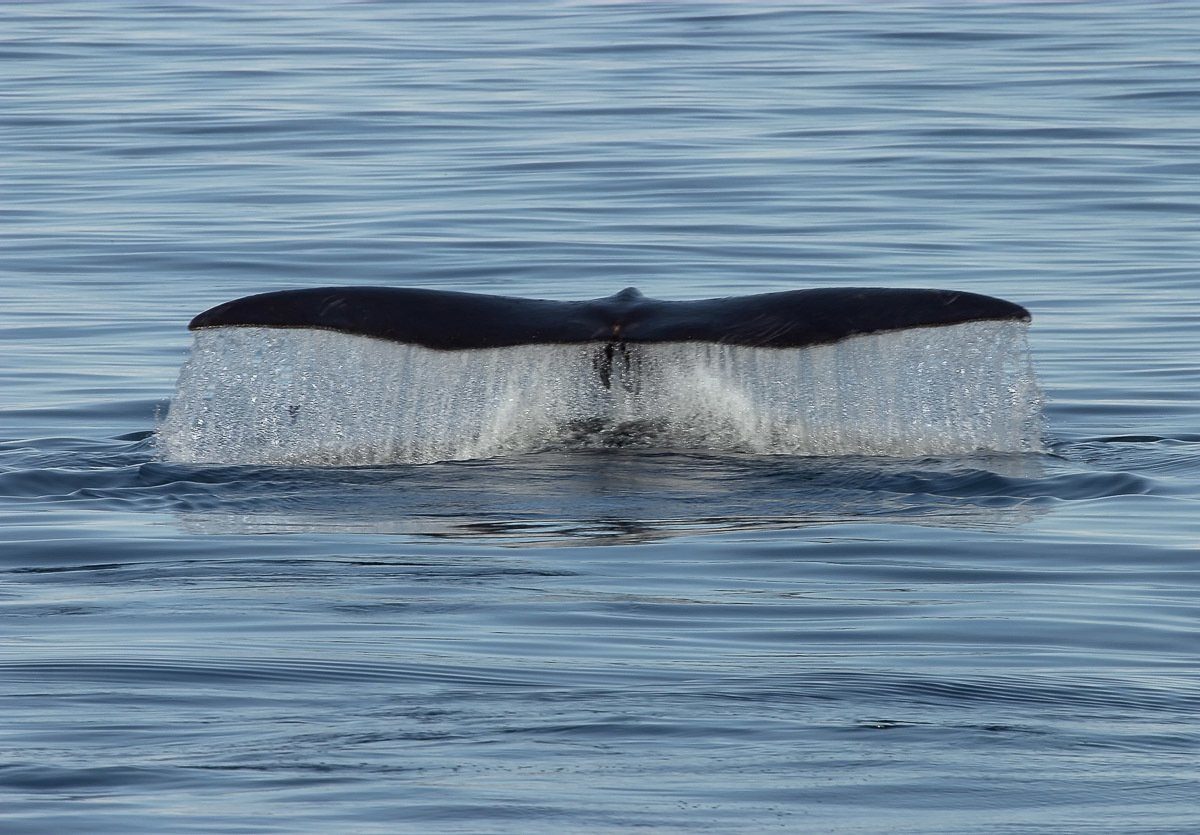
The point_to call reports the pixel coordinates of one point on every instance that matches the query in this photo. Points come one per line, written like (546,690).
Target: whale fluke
(452,321)
(368,375)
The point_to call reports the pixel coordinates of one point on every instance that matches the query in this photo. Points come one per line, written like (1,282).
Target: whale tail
(452,321)
(449,321)
(363,375)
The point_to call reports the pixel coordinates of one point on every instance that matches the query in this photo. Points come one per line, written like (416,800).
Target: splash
(305,397)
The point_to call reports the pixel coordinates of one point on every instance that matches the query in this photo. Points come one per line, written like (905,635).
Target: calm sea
(602,639)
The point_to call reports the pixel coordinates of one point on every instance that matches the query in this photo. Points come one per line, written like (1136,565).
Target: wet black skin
(450,321)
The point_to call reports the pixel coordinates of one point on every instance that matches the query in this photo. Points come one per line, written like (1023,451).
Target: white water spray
(278,396)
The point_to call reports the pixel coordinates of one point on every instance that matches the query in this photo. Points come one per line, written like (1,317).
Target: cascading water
(304,397)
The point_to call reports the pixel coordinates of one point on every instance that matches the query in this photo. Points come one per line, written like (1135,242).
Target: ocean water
(604,636)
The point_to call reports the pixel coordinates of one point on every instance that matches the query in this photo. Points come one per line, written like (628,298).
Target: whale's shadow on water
(612,495)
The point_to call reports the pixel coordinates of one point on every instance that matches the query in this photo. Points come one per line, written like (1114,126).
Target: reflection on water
(599,531)
(616,495)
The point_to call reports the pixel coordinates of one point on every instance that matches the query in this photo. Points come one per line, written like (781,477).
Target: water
(311,397)
(605,637)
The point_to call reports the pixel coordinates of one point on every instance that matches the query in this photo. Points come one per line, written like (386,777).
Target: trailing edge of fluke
(452,321)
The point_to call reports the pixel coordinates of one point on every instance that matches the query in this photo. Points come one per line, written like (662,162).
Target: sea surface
(614,637)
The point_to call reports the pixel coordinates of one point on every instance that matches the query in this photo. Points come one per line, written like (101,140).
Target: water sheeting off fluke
(302,396)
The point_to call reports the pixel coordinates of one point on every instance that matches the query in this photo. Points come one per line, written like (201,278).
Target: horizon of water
(598,635)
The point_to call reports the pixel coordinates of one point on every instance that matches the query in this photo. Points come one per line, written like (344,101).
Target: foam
(311,397)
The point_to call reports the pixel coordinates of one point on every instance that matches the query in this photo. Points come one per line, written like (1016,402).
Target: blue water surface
(601,639)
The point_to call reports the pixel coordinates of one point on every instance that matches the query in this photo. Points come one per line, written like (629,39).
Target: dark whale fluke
(288,377)
(452,321)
